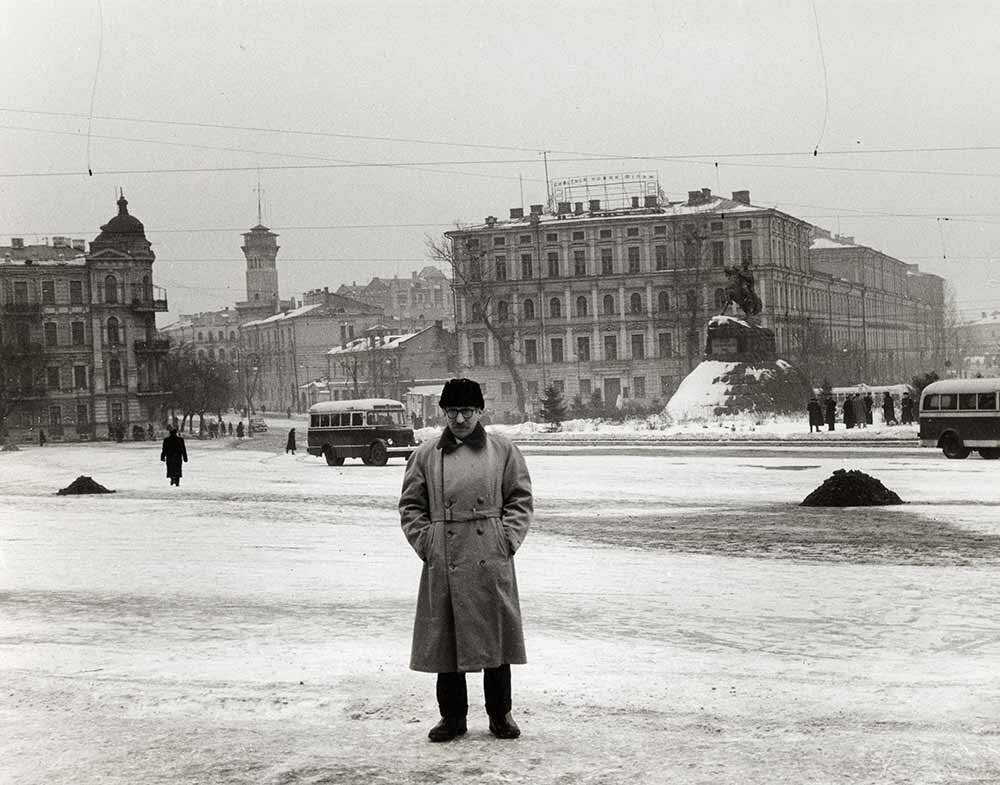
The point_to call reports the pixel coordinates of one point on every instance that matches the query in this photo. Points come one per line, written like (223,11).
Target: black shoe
(447,729)
(504,727)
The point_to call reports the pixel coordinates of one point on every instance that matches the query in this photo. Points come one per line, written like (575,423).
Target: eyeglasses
(466,413)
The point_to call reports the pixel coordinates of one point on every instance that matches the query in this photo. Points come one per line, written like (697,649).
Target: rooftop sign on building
(615,191)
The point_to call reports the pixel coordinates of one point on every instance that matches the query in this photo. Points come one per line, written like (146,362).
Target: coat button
(482,562)
(479,532)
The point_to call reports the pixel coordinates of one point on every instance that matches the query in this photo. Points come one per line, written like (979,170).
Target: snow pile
(83,484)
(700,394)
(851,489)
(10,448)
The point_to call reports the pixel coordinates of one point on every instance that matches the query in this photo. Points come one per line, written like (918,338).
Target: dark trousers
(453,696)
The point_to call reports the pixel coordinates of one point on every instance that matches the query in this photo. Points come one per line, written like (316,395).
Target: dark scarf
(476,440)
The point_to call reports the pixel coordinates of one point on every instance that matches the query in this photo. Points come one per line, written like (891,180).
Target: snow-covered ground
(686,622)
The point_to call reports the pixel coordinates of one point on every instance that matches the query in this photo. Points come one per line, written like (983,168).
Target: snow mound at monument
(720,387)
(851,489)
(83,484)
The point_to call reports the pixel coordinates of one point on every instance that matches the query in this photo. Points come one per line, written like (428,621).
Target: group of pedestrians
(856,411)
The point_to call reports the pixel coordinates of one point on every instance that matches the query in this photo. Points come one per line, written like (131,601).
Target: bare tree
(475,283)
(21,368)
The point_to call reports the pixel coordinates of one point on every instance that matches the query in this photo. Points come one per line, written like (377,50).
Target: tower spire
(260,220)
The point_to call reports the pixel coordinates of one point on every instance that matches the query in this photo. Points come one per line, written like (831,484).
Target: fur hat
(462,392)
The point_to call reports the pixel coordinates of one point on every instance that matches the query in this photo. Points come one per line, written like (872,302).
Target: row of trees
(199,385)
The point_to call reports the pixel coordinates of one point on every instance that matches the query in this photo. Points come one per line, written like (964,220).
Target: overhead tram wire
(509,148)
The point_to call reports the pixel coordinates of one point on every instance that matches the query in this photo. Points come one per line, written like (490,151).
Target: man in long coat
(815,415)
(174,453)
(465,508)
(831,413)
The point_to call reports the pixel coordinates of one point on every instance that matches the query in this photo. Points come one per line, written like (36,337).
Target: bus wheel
(952,447)
(989,453)
(331,459)
(378,455)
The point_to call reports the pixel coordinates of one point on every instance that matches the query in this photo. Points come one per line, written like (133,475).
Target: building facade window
(579,262)
(77,334)
(80,377)
(114,336)
(639,386)
(526,267)
(720,299)
(555,308)
(607,262)
(691,299)
(557,349)
(552,237)
(666,386)
(478,353)
(638,346)
(581,306)
(553,264)
(635,303)
(663,301)
(609,304)
(530,351)
(610,347)
(503,311)
(114,372)
(605,234)
(661,257)
(52,378)
(632,231)
(76,292)
(525,239)
(718,253)
(746,225)
(660,230)
(48,292)
(51,334)
(110,289)
(746,251)
(666,344)
(475,274)
(500,268)
(55,418)
(528,309)
(577,235)
(585,389)
(532,387)
(583,349)
(506,389)
(633,259)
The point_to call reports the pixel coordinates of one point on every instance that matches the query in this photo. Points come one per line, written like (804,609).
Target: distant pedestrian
(888,409)
(174,453)
(849,411)
(869,403)
(41,437)
(290,444)
(815,415)
(859,411)
(831,413)
(239,430)
(151,432)
(288,412)
(230,426)
(906,409)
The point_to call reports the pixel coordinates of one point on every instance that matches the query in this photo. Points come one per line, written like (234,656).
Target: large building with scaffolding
(613,300)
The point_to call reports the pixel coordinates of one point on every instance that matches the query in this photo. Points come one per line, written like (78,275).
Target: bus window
(932,402)
(967,400)
(314,421)
(372,418)
(357,418)
(987,400)
(324,421)
(949,401)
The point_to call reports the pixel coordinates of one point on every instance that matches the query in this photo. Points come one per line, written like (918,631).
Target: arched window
(503,311)
(222,355)
(581,306)
(692,299)
(663,302)
(114,335)
(609,304)
(635,303)
(232,335)
(222,335)
(477,312)
(529,309)
(201,354)
(114,372)
(720,299)
(201,336)
(555,308)
(110,289)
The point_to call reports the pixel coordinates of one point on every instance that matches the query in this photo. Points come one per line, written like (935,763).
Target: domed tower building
(128,366)
(260,247)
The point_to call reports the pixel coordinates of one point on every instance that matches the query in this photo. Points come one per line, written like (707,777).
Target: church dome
(122,224)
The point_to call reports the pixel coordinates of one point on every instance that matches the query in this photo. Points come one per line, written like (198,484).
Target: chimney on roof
(706,194)
(595,205)
(491,221)
(563,208)
(694,197)
(536,209)
(17,242)
(651,201)
(741,196)
(635,201)
(80,245)
(578,208)
(515,213)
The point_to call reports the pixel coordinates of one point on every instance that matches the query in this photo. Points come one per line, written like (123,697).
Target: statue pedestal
(738,339)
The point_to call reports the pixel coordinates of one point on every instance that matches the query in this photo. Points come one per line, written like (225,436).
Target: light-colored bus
(961,415)
(372,429)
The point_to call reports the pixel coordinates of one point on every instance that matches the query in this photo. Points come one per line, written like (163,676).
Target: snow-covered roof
(821,243)
(426,389)
(300,311)
(358,404)
(987,319)
(947,386)
(376,342)
(76,261)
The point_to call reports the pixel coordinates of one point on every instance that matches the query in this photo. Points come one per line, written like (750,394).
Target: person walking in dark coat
(465,508)
(239,430)
(174,453)
(290,444)
(849,411)
(831,413)
(906,409)
(41,437)
(815,415)
(869,403)
(888,409)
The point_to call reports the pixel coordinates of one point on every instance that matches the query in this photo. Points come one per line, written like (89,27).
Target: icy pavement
(686,622)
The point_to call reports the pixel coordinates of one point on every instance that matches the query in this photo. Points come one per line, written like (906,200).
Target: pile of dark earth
(851,489)
(83,485)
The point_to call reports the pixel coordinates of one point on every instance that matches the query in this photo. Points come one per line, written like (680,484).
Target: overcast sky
(738,84)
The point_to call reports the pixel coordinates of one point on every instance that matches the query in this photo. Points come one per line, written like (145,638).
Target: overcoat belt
(465,511)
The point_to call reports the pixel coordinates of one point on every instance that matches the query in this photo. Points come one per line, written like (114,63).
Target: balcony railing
(156,346)
(153,389)
(146,297)
(21,309)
